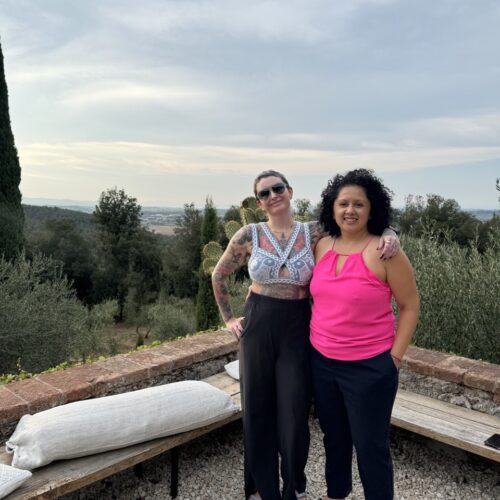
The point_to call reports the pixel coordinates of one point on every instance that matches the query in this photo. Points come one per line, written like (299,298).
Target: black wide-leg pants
(354,400)
(276,394)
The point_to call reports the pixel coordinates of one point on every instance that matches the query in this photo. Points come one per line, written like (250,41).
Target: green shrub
(459,292)
(98,336)
(42,323)
(40,318)
(172,317)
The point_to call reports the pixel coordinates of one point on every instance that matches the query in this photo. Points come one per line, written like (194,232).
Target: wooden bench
(447,423)
(65,476)
(444,422)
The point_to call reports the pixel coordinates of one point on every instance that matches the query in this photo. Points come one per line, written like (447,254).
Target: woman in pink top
(356,346)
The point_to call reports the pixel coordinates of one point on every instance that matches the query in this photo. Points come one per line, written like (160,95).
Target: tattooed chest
(268,246)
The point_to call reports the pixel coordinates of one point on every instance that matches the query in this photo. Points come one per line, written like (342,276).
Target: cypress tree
(11,211)
(207,313)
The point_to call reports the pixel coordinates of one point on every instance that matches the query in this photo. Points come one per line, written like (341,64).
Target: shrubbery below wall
(459,292)
(42,323)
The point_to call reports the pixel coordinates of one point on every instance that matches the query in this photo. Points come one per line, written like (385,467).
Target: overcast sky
(177,100)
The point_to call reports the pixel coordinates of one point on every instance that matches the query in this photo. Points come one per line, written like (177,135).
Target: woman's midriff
(281,291)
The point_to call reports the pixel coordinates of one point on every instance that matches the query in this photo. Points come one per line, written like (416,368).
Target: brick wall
(194,358)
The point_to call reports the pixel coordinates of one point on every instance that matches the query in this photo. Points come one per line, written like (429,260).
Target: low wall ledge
(150,367)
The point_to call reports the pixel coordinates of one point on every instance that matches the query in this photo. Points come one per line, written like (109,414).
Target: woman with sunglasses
(274,337)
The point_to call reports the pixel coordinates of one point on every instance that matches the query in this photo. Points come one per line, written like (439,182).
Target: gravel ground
(212,468)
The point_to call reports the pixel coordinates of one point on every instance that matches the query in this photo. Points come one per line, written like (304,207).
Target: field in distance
(163,230)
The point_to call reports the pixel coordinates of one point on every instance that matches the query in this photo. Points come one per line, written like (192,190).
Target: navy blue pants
(276,394)
(353,401)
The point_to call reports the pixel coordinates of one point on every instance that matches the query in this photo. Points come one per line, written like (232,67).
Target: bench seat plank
(447,423)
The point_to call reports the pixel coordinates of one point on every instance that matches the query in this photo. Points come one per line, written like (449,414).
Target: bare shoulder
(371,256)
(323,245)
(398,262)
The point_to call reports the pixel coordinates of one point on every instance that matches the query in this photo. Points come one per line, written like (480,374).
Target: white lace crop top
(264,266)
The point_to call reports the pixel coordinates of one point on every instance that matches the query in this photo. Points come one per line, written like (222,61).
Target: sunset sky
(177,100)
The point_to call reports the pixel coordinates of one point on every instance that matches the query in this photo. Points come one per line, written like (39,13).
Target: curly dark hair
(378,195)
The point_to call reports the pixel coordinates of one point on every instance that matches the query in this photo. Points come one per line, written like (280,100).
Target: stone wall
(461,381)
(454,379)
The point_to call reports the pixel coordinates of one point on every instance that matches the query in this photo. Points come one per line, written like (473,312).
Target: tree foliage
(303,210)
(181,259)
(42,323)
(60,240)
(207,312)
(118,216)
(130,255)
(11,212)
(443,216)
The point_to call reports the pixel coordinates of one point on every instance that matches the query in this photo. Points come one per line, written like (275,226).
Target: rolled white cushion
(11,478)
(233,369)
(102,424)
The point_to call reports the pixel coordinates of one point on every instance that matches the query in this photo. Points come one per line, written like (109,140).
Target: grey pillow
(11,478)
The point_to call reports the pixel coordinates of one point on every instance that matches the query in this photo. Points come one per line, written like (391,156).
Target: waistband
(288,304)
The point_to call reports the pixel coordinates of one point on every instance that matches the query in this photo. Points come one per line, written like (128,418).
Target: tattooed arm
(239,248)
(317,232)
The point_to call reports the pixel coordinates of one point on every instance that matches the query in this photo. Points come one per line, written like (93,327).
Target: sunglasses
(263,194)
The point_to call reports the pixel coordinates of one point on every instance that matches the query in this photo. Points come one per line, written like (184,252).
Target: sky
(175,101)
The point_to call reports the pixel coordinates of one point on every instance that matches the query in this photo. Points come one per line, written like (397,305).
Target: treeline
(80,273)
(446,220)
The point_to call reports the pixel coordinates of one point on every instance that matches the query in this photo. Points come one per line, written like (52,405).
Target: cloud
(151,160)
(119,91)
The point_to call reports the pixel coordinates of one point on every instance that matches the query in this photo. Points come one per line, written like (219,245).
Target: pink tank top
(352,317)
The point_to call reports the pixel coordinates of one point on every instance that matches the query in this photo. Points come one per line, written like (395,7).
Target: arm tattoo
(233,258)
(317,232)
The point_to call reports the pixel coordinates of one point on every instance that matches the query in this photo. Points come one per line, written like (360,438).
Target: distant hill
(36,216)
(481,214)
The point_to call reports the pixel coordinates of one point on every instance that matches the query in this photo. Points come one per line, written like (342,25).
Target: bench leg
(174,472)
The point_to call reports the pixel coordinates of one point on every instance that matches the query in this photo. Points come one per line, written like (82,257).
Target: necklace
(283,240)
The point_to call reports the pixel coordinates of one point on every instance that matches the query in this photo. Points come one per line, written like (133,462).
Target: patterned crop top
(264,266)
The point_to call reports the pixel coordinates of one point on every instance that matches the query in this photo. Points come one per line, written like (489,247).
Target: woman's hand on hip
(235,327)
(397,361)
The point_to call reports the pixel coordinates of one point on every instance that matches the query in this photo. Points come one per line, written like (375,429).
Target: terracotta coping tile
(484,376)
(428,356)
(157,363)
(423,361)
(454,368)
(120,372)
(75,383)
(39,395)
(12,406)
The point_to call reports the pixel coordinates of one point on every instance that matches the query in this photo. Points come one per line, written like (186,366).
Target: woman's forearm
(407,323)
(221,293)
(232,259)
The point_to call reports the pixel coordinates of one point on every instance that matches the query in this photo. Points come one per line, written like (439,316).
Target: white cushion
(233,369)
(11,478)
(102,424)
